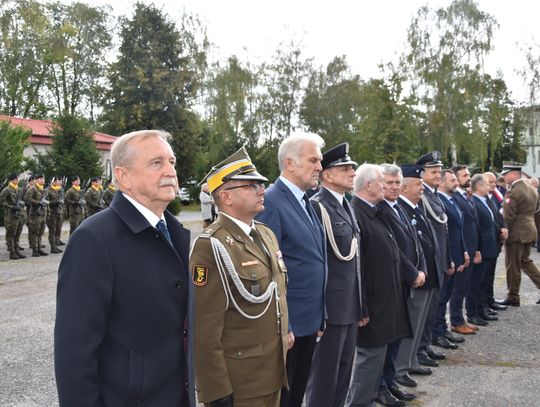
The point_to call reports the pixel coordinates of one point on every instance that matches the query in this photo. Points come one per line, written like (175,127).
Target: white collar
(150,216)
(337,195)
(295,189)
(406,200)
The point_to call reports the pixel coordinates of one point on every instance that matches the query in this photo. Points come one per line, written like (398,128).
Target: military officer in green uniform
(24,212)
(241,316)
(76,204)
(519,206)
(36,198)
(108,194)
(55,215)
(94,197)
(13,205)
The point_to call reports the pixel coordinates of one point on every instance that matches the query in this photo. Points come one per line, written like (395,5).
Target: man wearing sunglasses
(241,311)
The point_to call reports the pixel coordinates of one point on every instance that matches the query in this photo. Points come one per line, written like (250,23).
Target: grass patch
(192,207)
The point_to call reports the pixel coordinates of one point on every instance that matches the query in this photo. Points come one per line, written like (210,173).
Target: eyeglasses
(255,187)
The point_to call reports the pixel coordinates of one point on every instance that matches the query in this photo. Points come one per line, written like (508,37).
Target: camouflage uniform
(108,195)
(55,216)
(12,218)
(76,206)
(94,201)
(36,218)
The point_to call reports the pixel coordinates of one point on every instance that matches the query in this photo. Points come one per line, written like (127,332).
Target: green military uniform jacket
(108,195)
(33,199)
(93,201)
(56,201)
(520,204)
(234,354)
(73,199)
(9,201)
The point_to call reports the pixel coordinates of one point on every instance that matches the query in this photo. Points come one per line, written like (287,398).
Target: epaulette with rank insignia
(209,231)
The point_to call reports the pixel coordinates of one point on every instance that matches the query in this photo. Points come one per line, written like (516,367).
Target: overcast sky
(366,31)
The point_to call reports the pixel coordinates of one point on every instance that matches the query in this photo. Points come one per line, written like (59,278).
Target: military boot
(35,253)
(19,254)
(41,252)
(13,256)
(55,250)
(20,247)
(60,243)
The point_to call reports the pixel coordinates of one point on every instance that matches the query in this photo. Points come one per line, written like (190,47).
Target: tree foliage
(155,80)
(73,151)
(13,140)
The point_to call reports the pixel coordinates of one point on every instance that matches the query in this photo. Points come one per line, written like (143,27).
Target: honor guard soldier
(76,204)
(24,212)
(333,358)
(55,216)
(108,194)
(241,316)
(36,197)
(13,205)
(94,197)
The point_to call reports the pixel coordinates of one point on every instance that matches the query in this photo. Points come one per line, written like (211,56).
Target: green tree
(25,57)
(13,140)
(82,39)
(73,151)
(445,52)
(155,80)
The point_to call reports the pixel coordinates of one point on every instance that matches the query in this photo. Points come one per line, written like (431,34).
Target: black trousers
(298,366)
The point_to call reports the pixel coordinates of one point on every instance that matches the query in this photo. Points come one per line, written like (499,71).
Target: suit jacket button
(185,332)
(179,283)
(239,353)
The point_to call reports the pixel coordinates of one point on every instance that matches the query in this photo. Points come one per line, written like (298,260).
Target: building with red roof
(42,138)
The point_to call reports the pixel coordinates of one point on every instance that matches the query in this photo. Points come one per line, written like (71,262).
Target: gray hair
(122,150)
(292,146)
(477,179)
(392,170)
(366,173)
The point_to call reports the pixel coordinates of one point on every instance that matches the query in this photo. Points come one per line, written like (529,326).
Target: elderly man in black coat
(385,293)
(123,333)
(345,291)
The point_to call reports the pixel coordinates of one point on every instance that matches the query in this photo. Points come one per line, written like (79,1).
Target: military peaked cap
(336,156)
(432,159)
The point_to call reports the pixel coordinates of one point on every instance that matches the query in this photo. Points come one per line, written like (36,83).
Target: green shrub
(175,206)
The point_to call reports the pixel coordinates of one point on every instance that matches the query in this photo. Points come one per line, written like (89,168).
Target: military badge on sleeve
(200,275)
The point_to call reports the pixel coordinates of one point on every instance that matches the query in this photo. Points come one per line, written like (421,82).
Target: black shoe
(387,399)
(406,381)
(455,338)
(42,253)
(421,371)
(56,250)
(42,246)
(35,253)
(497,307)
(20,247)
(509,301)
(491,312)
(433,354)
(538,302)
(477,321)
(487,317)
(13,256)
(19,254)
(401,394)
(60,243)
(442,342)
(425,360)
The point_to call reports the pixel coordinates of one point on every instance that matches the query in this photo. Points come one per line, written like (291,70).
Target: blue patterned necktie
(163,228)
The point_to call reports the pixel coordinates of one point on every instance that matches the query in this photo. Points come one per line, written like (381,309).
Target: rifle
(82,199)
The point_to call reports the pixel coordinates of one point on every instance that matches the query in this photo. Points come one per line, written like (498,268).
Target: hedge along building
(42,138)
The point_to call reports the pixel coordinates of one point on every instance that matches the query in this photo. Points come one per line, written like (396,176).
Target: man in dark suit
(413,273)
(489,249)
(494,200)
(385,292)
(123,333)
(458,254)
(411,195)
(345,290)
(464,280)
(301,239)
